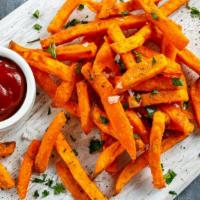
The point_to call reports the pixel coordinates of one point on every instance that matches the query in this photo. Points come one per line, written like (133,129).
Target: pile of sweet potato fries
(125,78)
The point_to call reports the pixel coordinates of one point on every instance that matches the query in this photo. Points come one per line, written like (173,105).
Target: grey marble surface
(192,192)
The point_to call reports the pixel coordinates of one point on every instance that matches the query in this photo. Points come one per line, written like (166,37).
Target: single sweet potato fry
(48,141)
(45,82)
(69,182)
(134,41)
(26,169)
(78,173)
(62,15)
(157,131)
(119,122)
(116,34)
(76,52)
(167,26)
(104,59)
(170,96)
(49,65)
(6,181)
(179,118)
(195,97)
(93,28)
(84,106)
(7,148)
(141,72)
(106,5)
(141,162)
(191,60)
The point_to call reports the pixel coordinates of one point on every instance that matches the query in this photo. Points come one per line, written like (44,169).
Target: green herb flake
(58,188)
(37,27)
(169,176)
(177,82)
(125,13)
(49,183)
(194,12)
(162,167)
(185,105)
(173,193)
(52,50)
(36,14)
(136,136)
(137,97)
(75,152)
(45,193)
(95,145)
(154,15)
(153,61)
(154,92)
(104,120)
(78,68)
(150,111)
(81,7)
(33,41)
(126,106)
(121,1)
(121,65)
(138,56)
(49,111)
(74,22)
(40,180)
(36,194)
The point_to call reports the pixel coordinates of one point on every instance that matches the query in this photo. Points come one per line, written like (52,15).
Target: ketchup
(12,88)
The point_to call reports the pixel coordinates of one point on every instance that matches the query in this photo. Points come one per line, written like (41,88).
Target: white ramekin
(29,99)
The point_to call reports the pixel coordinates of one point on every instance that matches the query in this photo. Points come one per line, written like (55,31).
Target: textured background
(192,191)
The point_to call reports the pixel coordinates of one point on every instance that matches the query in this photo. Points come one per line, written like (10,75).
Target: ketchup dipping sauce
(12,88)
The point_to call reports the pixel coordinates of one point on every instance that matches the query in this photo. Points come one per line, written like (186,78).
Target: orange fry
(195,97)
(26,169)
(6,181)
(156,135)
(141,72)
(69,182)
(106,5)
(78,173)
(48,141)
(62,15)
(120,123)
(7,148)
(93,28)
(84,106)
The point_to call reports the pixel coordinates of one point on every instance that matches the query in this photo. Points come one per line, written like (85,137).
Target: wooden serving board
(183,159)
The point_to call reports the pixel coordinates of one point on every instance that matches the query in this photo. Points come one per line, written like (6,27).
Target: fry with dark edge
(7,148)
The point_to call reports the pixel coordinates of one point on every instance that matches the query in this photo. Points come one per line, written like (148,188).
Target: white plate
(183,159)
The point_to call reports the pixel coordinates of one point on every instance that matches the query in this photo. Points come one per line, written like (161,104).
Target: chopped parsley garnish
(126,106)
(36,14)
(49,111)
(150,111)
(125,13)
(78,68)
(154,92)
(45,193)
(32,41)
(58,188)
(138,56)
(194,12)
(136,136)
(37,27)
(81,7)
(177,82)
(75,152)
(153,61)
(154,15)
(74,22)
(40,180)
(169,176)
(137,97)
(121,1)
(49,182)
(121,64)
(162,167)
(36,194)
(173,193)
(52,50)
(95,145)
(185,105)
(104,119)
